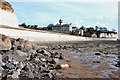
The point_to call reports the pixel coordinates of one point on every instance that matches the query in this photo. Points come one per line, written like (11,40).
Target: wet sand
(87,59)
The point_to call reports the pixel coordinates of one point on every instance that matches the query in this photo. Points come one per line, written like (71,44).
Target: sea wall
(8,19)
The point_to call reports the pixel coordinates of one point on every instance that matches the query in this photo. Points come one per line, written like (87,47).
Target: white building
(64,27)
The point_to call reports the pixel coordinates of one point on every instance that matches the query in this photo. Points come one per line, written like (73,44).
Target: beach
(87,59)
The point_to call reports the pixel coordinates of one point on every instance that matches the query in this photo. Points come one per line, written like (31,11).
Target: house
(102,32)
(79,31)
(90,32)
(64,27)
(90,29)
(74,28)
(61,27)
(106,34)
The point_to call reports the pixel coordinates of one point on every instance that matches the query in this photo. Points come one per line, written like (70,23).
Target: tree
(60,21)
(23,24)
(96,28)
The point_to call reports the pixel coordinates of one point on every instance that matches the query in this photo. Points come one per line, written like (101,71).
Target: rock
(4,74)
(118,64)
(26,68)
(27,46)
(21,53)
(5,58)
(48,75)
(20,40)
(1,60)
(1,71)
(97,53)
(38,50)
(43,59)
(51,61)
(20,65)
(32,52)
(8,66)
(58,67)
(34,47)
(45,53)
(65,65)
(56,60)
(5,42)
(15,74)
(96,61)
(31,57)
(22,45)
(14,44)
(30,75)
(61,56)
(22,74)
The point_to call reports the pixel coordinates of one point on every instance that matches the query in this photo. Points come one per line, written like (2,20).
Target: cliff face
(6,6)
(7,15)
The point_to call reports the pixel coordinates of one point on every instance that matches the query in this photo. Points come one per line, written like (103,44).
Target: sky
(88,14)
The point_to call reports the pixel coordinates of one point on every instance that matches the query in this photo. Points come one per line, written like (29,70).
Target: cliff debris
(22,60)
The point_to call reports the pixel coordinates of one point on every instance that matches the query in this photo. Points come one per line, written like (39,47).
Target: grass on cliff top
(6,3)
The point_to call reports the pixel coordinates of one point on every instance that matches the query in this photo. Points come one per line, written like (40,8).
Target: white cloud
(78,23)
(100,24)
(81,21)
(100,17)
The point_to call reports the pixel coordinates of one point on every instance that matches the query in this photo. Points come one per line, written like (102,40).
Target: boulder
(21,44)
(20,53)
(5,42)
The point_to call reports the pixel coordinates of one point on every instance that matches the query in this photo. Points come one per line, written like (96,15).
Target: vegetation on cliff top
(7,6)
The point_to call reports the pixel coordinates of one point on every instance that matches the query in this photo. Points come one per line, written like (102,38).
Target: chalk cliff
(7,16)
